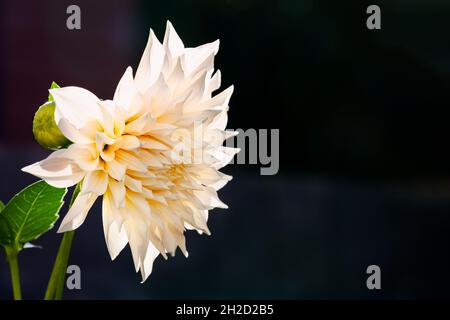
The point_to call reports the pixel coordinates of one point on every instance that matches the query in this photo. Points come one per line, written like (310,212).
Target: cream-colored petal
(129,160)
(129,142)
(77,105)
(77,212)
(151,64)
(117,189)
(148,142)
(127,95)
(147,266)
(214,83)
(101,139)
(95,182)
(211,177)
(200,57)
(138,241)
(133,184)
(115,239)
(172,42)
(85,156)
(115,169)
(219,102)
(139,125)
(150,158)
(137,205)
(81,136)
(208,197)
(56,171)
(107,108)
(224,155)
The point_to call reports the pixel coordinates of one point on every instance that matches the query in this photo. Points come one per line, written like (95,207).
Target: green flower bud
(45,130)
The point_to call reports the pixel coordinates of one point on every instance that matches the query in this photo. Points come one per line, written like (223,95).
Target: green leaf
(30,213)
(2,206)
(53,86)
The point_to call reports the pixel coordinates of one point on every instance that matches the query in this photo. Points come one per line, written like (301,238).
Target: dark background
(364,124)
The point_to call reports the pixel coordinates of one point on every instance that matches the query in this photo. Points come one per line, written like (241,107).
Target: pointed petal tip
(113,256)
(144,276)
(129,69)
(63,228)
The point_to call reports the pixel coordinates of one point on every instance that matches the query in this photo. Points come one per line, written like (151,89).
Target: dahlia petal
(136,202)
(115,239)
(83,155)
(219,121)
(194,59)
(133,184)
(212,178)
(215,81)
(77,105)
(77,212)
(150,143)
(80,136)
(95,182)
(129,142)
(147,266)
(129,160)
(219,102)
(116,169)
(224,155)
(150,159)
(172,42)
(151,64)
(138,242)
(127,95)
(117,189)
(208,197)
(197,219)
(107,109)
(56,171)
(137,126)
(101,139)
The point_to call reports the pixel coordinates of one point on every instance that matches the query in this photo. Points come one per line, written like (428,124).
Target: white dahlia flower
(153,151)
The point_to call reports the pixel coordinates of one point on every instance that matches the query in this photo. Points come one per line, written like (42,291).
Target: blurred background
(364,126)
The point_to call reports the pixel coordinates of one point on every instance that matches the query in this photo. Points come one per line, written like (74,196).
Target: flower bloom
(136,150)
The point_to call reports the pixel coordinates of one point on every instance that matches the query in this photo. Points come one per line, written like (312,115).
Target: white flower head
(140,150)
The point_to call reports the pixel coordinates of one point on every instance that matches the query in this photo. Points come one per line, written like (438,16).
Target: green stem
(11,255)
(55,285)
